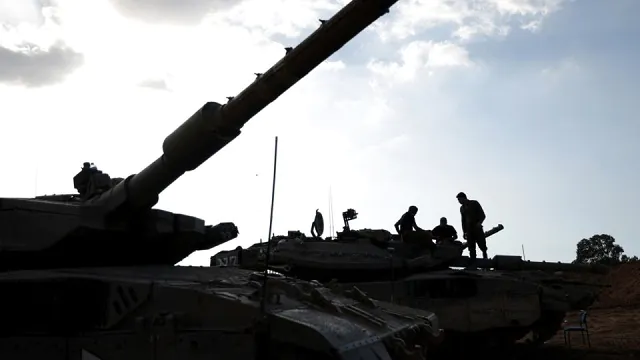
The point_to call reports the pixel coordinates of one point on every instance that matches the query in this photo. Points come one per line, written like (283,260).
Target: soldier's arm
(397,225)
(455,233)
(464,221)
(415,226)
(480,213)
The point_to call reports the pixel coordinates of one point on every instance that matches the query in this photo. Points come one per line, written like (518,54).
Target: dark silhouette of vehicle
(91,275)
(487,304)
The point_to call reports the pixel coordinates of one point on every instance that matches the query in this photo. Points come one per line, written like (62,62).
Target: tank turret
(353,254)
(110,222)
(361,254)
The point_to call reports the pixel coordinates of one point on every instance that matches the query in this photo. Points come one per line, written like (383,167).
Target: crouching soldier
(410,232)
(444,232)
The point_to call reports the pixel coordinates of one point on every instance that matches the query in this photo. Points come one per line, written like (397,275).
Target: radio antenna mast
(263,327)
(268,254)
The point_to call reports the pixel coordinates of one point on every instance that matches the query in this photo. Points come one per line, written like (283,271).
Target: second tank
(496,305)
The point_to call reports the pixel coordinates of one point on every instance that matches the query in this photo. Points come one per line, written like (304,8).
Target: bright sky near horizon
(529,106)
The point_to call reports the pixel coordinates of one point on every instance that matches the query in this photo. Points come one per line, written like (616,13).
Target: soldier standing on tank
(472,218)
(444,232)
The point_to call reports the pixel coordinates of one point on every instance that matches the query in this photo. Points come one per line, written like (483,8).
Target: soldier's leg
(471,245)
(483,248)
(482,244)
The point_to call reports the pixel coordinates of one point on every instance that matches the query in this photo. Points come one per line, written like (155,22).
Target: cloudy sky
(529,106)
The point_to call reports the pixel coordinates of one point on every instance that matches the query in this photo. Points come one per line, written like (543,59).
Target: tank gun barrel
(494,230)
(213,126)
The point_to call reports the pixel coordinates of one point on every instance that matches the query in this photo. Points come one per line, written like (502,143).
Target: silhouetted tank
(488,308)
(91,275)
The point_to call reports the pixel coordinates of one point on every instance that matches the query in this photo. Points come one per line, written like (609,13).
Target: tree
(626,259)
(601,249)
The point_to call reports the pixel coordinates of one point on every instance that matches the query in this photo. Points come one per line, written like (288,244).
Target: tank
(490,303)
(91,275)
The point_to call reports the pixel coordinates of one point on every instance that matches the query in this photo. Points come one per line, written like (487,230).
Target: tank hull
(492,307)
(186,312)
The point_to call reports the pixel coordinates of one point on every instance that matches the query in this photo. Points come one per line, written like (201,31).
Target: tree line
(601,249)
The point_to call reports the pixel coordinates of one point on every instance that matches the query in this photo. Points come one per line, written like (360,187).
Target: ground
(614,334)
(614,323)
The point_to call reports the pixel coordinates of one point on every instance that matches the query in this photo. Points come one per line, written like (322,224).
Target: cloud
(33,51)
(467,19)
(270,17)
(563,69)
(283,17)
(182,12)
(33,66)
(156,84)
(34,12)
(420,55)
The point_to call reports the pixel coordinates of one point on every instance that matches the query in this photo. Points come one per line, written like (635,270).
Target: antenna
(263,327)
(268,254)
(523,256)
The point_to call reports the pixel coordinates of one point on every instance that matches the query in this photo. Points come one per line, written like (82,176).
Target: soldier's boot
(472,263)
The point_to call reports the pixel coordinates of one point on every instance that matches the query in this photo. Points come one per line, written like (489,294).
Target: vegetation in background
(601,249)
